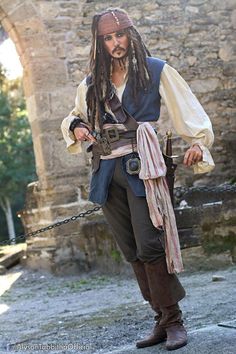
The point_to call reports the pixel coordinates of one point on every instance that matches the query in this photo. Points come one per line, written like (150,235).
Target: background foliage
(17,165)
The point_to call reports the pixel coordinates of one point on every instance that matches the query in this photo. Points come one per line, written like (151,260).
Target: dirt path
(94,313)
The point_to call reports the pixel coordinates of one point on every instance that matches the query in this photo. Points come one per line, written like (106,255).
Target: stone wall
(53,41)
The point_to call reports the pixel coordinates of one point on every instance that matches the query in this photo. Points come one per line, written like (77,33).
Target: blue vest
(146,109)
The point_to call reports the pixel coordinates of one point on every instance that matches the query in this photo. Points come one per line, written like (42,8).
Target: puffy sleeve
(80,110)
(188,116)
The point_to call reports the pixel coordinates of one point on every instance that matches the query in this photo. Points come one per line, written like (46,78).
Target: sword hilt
(169,143)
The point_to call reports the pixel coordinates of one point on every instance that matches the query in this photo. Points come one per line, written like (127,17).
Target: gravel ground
(94,313)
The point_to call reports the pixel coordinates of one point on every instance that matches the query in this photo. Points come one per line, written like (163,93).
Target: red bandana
(113,21)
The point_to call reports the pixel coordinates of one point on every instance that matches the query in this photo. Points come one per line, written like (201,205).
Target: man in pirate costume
(115,108)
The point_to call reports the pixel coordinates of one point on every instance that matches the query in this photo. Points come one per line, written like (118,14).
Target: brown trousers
(130,222)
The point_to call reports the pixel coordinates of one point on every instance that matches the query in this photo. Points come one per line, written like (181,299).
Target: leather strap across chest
(121,114)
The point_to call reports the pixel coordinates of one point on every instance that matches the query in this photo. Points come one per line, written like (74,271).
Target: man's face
(116,44)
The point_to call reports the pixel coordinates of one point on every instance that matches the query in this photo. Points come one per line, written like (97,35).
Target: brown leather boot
(158,334)
(142,280)
(166,291)
(172,322)
(165,288)
(176,337)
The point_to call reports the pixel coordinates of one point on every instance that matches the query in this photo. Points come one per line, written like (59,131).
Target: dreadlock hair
(100,87)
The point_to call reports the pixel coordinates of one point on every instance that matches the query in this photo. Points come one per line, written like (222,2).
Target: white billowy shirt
(188,117)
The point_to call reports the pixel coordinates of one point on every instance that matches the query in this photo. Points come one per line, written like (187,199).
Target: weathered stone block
(25,11)
(226,52)
(6,23)
(205,86)
(49,10)
(196,259)
(44,76)
(233,18)
(9,6)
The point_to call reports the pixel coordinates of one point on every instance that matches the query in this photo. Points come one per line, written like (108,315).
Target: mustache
(118,48)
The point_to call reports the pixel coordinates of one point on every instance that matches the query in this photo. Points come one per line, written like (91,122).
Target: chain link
(179,193)
(50,227)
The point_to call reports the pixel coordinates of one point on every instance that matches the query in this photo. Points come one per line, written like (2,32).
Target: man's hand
(83,134)
(193,155)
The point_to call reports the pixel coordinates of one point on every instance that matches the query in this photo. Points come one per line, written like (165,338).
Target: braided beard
(122,63)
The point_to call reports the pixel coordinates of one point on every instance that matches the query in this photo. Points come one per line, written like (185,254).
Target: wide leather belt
(113,134)
(110,139)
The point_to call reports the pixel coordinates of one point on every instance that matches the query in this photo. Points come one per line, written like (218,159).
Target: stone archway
(49,97)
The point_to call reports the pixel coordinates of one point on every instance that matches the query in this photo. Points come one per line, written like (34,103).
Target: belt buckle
(104,145)
(112,134)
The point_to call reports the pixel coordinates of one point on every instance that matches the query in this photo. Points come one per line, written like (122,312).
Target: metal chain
(179,192)
(50,227)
